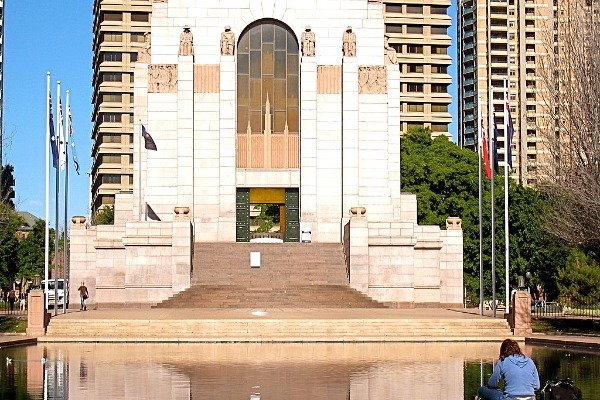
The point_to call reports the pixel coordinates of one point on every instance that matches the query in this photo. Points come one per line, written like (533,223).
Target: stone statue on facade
(227,42)
(186,42)
(308,42)
(390,53)
(144,52)
(349,43)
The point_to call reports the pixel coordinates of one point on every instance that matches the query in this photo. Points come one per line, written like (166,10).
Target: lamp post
(36,281)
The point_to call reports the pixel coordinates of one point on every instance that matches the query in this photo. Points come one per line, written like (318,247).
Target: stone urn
(78,220)
(453,223)
(181,212)
(358,212)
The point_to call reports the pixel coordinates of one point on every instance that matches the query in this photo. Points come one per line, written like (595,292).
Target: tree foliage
(9,244)
(579,280)
(31,251)
(444,178)
(570,78)
(104,216)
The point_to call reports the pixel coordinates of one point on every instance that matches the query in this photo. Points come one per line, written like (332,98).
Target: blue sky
(43,36)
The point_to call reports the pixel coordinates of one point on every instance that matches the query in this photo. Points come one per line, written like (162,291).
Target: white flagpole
(57,201)
(492,152)
(506,187)
(479,153)
(47,227)
(140,170)
(65,236)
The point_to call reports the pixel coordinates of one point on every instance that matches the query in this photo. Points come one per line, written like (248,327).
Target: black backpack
(561,389)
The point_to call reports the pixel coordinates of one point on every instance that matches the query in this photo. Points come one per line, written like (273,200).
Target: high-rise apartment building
(418,31)
(119,27)
(505,40)
(1,77)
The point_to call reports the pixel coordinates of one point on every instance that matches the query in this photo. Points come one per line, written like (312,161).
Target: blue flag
(70,122)
(149,142)
(495,149)
(511,134)
(53,139)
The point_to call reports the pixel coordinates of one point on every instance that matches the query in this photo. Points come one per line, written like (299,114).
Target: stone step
(268,330)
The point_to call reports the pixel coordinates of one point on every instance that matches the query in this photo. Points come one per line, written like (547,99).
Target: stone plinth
(36,314)
(520,316)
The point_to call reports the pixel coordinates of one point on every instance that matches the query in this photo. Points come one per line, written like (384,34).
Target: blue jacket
(519,373)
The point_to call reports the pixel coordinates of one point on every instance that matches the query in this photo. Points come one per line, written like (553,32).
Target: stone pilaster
(350,133)
(308,142)
(185,131)
(393,122)
(359,254)
(140,157)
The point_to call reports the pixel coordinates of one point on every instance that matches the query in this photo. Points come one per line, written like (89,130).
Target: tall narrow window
(268,103)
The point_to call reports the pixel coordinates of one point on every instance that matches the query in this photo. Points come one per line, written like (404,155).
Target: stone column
(185,131)
(393,122)
(350,134)
(308,143)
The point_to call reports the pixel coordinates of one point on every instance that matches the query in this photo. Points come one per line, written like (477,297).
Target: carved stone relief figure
(349,43)
(186,42)
(308,42)
(372,79)
(144,53)
(390,53)
(162,78)
(227,42)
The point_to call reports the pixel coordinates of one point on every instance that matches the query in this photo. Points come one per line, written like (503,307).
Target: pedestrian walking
(83,295)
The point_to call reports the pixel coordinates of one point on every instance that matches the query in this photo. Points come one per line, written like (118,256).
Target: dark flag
(495,149)
(53,139)
(510,134)
(149,142)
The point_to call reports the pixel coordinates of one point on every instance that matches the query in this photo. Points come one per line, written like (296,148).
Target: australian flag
(510,133)
(53,138)
(149,142)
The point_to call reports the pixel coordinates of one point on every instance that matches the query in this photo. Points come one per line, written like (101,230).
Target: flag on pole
(509,130)
(149,142)
(53,139)
(495,149)
(61,136)
(486,154)
(70,124)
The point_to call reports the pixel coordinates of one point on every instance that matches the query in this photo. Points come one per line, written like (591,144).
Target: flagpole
(56,206)
(65,261)
(492,165)
(506,187)
(47,227)
(479,153)
(140,170)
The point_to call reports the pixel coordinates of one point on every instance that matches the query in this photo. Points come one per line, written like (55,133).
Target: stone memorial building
(246,105)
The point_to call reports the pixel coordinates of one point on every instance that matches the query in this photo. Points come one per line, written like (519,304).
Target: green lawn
(9,324)
(562,326)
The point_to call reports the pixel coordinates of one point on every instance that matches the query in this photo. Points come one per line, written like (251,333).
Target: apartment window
(513,96)
(112,37)
(112,57)
(511,24)
(439,108)
(439,30)
(511,36)
(111,178)
(414,87)
(139,17)
(111,138)
(414,49)
(410,127)
(415,68)
(111,158)
(393,8)
(414,29)
(511,11)
(133,57)
(111,117)
(107,200)
(438,10)
(511,47)
(137,38)
(439,50)
(393,28)
(112,16)
(413,9)
(112,97)
(111,77)
(414,107)
(438,88)
(512,60)
(439,69)
(439,128)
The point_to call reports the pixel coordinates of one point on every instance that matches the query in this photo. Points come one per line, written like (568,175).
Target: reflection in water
(268,371)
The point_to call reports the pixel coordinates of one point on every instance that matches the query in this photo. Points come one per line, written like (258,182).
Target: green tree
(579,280)
(444,178)
(104,216)
(7,181)
(31,251)
(9,244)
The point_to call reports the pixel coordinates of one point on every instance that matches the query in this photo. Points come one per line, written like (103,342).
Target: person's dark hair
(508,348)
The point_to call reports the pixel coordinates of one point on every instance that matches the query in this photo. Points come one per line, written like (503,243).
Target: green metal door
(292,215)
(242,215)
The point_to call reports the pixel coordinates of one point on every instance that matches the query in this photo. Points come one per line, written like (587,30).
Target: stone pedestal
(36,314)
(520,317)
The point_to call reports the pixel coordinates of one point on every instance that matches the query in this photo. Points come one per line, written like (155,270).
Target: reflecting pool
(364,371)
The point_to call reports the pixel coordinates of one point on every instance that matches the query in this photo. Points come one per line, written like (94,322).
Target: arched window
(268,103)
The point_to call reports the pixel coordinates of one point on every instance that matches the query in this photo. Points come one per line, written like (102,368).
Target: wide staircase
(292,275)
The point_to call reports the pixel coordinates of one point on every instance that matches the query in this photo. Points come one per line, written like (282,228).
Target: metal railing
(565,308)
(17,309)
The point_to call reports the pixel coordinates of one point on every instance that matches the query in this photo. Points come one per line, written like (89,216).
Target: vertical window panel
(244,45)
(268,33)
(255,38)
(243,63)
(280,86)
(292,64)
(242,119)
(255,122)
(267,59)
(255,94)
(280,66)
(255,59)
(280,38)
(280,118)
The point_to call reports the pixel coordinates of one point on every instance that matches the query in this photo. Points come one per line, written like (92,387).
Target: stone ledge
(392,241)
(108,244)
(147,241)
(429,244)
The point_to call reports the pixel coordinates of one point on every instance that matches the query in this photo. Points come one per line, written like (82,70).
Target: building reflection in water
(254,371)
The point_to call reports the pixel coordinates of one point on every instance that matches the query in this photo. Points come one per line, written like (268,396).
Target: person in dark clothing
(12,297)
(83,295)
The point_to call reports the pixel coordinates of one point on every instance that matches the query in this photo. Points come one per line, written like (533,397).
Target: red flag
(486,154)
